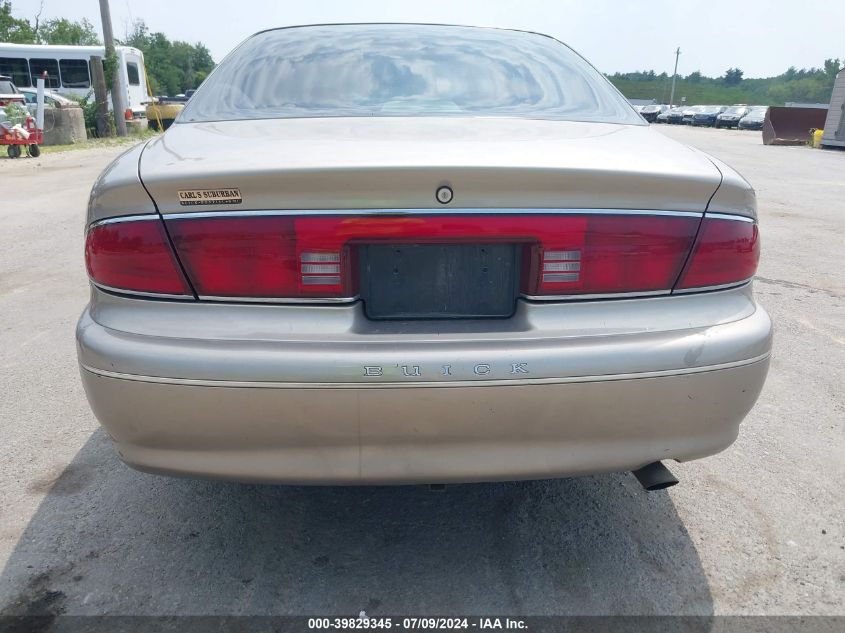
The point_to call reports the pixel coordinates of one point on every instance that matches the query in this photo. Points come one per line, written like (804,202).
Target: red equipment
(15,140)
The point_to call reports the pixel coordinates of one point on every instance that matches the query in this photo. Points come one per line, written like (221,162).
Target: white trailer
(69,70)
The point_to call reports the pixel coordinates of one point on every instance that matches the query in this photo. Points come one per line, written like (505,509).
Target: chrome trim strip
(735,284)
(336,300)
(138,293)
(728,216)
(411,384)
(442,211)
(610,295)
(281,300)
(124,218)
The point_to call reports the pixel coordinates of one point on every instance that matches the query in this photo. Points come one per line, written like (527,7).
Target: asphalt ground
(758,529)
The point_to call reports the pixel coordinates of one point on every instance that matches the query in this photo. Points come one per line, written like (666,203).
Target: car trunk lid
(397,163)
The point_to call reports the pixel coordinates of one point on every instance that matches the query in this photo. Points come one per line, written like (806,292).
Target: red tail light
(616,254)
(726,252)
(134,256)
(314,257)
(301,257)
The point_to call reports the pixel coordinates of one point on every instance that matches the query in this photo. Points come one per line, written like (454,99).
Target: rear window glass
(38,66)
(6,88)
(17,68)
(405,70)
(133,74)
(75,73)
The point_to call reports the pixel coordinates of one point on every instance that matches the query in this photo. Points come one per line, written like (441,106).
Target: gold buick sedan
(397,253)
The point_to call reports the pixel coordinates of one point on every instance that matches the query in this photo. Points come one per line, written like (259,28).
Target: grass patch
(94,143)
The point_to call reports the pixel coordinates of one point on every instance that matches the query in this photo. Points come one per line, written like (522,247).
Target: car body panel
(422,435)
(333,344)
(393,163)
(283,393)
(118,190)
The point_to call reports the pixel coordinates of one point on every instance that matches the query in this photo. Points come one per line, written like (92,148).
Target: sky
(762,37)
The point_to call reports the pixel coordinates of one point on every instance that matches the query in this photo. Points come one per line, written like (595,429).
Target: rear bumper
(529,401)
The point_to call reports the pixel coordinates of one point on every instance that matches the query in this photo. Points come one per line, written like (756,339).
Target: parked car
(9,92)
(676,115)
(651,112)
(418,269)
(51,99)
(706,115)
(731,116)
(754,119)
(690,112)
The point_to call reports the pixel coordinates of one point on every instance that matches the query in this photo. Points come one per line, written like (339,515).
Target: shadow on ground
(108,540)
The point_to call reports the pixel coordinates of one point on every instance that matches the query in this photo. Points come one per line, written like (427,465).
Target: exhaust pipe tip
(655,476)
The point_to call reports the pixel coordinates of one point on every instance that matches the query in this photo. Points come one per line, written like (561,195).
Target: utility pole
(674,76)
(116,93)
(101,96)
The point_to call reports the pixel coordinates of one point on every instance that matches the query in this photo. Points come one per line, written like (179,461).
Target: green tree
(733,76)
(13,29)
(172,67)
(811,85)
(64,31)
(832,67)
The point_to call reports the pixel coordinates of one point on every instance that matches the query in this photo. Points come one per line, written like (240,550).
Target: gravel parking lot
(758,529)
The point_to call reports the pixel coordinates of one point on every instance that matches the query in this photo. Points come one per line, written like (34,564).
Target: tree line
(807,85)
(175,66)
(172,66)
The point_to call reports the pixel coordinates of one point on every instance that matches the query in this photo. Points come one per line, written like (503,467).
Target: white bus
(69,71)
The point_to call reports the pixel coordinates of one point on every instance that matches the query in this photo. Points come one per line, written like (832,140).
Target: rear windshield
(405,70)
(6,88)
